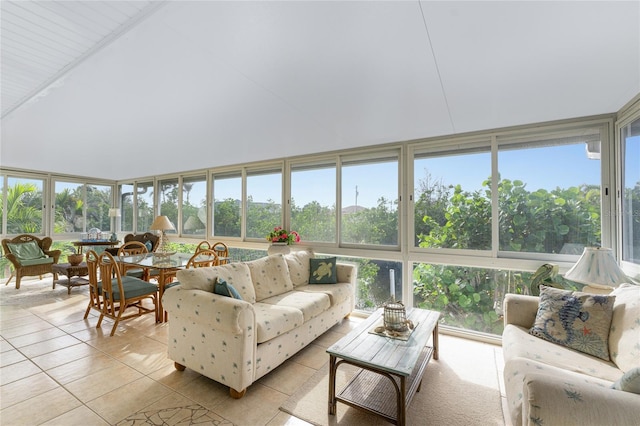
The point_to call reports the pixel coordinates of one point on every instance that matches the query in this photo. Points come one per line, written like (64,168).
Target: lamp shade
(193,223)
(597,268)
(161,223)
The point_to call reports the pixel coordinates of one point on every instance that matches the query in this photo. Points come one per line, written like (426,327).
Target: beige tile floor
(57,369)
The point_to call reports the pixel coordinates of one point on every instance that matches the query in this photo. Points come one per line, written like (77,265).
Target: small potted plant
(280,238)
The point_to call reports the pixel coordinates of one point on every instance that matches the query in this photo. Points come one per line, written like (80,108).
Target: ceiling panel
(41,40)
(211,83)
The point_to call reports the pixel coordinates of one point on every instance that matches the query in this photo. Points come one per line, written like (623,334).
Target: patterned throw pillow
(629,382)
(576,320)
(323,271)
(223,288)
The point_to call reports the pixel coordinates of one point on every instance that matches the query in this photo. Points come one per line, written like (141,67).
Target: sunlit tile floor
(58,369)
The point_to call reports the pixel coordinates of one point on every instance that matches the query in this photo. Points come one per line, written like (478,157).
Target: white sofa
(549,384)
(235,342)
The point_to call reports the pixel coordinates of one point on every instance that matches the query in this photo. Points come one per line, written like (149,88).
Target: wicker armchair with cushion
(148,239)
(29,255)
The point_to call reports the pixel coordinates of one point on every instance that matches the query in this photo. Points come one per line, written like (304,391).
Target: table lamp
(598,269)
(193,224)
(163,224)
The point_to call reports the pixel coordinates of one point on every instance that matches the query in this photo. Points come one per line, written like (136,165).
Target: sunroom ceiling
(118,90)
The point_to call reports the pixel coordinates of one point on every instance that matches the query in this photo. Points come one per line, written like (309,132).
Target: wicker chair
(33,265)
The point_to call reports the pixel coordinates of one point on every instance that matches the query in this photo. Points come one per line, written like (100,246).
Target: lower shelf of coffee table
(371,391)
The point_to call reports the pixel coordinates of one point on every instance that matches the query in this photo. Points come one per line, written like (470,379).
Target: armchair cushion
(624,338)
(580,321)
(26,251)
(39,261)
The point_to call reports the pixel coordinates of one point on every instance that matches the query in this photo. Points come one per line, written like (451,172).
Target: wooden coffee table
(73,273)
(391,369)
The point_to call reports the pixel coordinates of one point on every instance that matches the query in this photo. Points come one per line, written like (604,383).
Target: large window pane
(549,195)
(631,192)
(98,204)
(126,208)
(378,282)
(194,205)
(313,202)
(370,202)
(146,213)
(168,200)
(452,194)
(264,205)
(69,208)
(24,206)
(227,205)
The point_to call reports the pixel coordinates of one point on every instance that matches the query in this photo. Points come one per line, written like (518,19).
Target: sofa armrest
(217,312)
(520,309)
(555,400)
(346,273)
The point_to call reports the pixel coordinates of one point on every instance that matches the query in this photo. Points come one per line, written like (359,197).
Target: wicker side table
(74,275)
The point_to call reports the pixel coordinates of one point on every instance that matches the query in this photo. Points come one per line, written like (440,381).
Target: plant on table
(281,235)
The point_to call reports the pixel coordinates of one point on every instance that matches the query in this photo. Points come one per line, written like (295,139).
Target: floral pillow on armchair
(580,321)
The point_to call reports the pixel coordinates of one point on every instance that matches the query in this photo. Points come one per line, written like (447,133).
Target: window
(126,208)
(313,202)
(194,205)
(168,201)
(549,194)
(264,205)
(69,208)
(452,200)
(24,206)
(227,205)
(370,202)
(98,203)
(144,201)
(630,173)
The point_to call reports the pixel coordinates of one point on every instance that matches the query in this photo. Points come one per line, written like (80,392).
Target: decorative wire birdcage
(395,317)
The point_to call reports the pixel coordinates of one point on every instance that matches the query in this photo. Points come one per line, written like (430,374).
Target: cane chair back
(95,286)
(120,294)
(222,251)
(204,245)
(202,259)
(129,249)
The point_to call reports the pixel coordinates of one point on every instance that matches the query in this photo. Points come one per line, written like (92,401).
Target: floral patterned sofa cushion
(270,276)
(310,304)
(236,274)
(337,293)
(273,320)
(624,338)
(298,263)
(518,343)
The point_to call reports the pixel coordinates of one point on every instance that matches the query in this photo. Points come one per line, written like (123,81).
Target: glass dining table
(166,264)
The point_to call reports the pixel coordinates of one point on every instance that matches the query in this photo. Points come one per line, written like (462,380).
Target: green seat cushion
(137,273)
(26,251)
(40,261)
(133,287)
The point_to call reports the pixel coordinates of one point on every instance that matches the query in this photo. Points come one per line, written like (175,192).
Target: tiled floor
(57,369)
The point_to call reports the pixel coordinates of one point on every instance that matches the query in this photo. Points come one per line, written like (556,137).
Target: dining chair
(203,258)
(121,293)
(203,245)
(222,251)
(129,249)
(95,286)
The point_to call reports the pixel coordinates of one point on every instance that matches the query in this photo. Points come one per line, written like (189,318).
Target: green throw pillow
(26,251)
(323,271)
(579,321)
(223,288)
(629,382)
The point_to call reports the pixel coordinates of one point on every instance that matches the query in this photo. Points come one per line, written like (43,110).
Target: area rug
(461,388)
